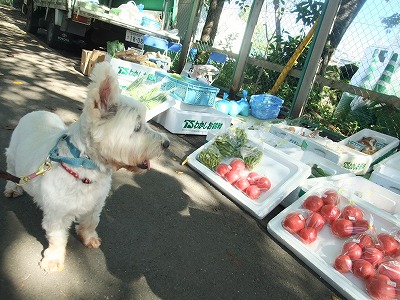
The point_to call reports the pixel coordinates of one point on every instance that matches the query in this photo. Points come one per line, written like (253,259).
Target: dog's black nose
(165,144)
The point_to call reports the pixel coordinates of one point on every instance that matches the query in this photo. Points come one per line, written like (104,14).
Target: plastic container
(320,255)
(284,172)
(265,106)
(187,90)
(197,120)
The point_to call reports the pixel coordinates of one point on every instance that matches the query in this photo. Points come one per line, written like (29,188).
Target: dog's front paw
(52,265)
(12,190)
(53,261)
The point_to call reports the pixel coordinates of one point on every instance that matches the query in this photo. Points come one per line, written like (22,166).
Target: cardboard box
(89,59)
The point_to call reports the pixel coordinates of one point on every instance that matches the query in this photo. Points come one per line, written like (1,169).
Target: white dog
(110,134)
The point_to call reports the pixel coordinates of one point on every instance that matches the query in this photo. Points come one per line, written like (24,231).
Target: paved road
(168,234)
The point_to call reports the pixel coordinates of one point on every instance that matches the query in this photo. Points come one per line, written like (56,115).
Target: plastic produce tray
(188,91)
(320,255)
(284,172)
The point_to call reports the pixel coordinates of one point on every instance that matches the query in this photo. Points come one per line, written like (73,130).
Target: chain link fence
(359,88)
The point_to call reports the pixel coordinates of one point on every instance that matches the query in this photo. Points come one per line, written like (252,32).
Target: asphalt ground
(168,234)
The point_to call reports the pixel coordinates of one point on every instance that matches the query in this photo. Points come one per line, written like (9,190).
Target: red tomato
(360,226)
(352,213)
(342,228)
(343,263)
(308,235)
(363,268)
(391,269)
(313,203)
(253,177)
(232,176)
(222,169)
(388,245)
(315,220)
(242,184)
(237,164)
(253,192)
(329,212)
(352,249)
(365,241)
(373,255)
(294,222)
(379,287)
(331,197)
(263,183)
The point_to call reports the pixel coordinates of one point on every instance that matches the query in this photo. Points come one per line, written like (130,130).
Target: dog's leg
(86,229)
(56,228)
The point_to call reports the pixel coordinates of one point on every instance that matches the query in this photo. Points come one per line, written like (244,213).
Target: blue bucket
(265,106)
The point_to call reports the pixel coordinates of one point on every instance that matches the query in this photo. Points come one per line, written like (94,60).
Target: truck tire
(32,19)
(53,31)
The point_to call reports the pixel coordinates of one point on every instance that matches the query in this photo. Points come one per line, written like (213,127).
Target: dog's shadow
(158,234)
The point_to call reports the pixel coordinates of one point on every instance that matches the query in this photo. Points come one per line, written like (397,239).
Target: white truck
(68,20)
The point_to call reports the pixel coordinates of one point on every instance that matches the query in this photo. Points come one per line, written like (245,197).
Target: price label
(131,36)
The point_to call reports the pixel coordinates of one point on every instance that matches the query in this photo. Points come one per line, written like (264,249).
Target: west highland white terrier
(110,134)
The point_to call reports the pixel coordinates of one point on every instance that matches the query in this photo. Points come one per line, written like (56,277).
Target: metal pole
(306,81)
(245,46)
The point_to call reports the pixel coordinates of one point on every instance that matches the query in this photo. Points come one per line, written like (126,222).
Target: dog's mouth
(145,165)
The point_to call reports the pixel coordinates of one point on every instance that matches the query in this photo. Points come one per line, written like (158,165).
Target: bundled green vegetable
(210,157)
(251,155)
(230,142)
(317,171)
(114,47)
(147,93)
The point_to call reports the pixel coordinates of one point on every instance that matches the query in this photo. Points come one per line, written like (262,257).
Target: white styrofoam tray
(310,158)
(387,173)
(284,172)
(321,254)
(383,199)
(389,141)
(296,136)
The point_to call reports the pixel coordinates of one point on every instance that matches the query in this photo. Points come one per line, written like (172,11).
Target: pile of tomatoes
(369,256)
(250,183)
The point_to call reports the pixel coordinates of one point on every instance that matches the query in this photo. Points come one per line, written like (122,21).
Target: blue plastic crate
(265,106)
(188,90)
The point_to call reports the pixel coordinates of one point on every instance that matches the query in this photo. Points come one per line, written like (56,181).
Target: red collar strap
(76,175)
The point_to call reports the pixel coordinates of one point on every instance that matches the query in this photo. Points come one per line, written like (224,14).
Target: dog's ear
(104,90)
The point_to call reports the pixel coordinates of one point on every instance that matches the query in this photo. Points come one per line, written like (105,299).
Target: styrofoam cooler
(296,136)
(190,119)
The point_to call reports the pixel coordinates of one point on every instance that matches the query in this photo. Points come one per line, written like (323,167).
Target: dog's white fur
(111,131)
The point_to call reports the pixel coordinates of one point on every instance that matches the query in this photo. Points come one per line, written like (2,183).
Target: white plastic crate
(387,173)
(320,255)
(189,119)
(284,172)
